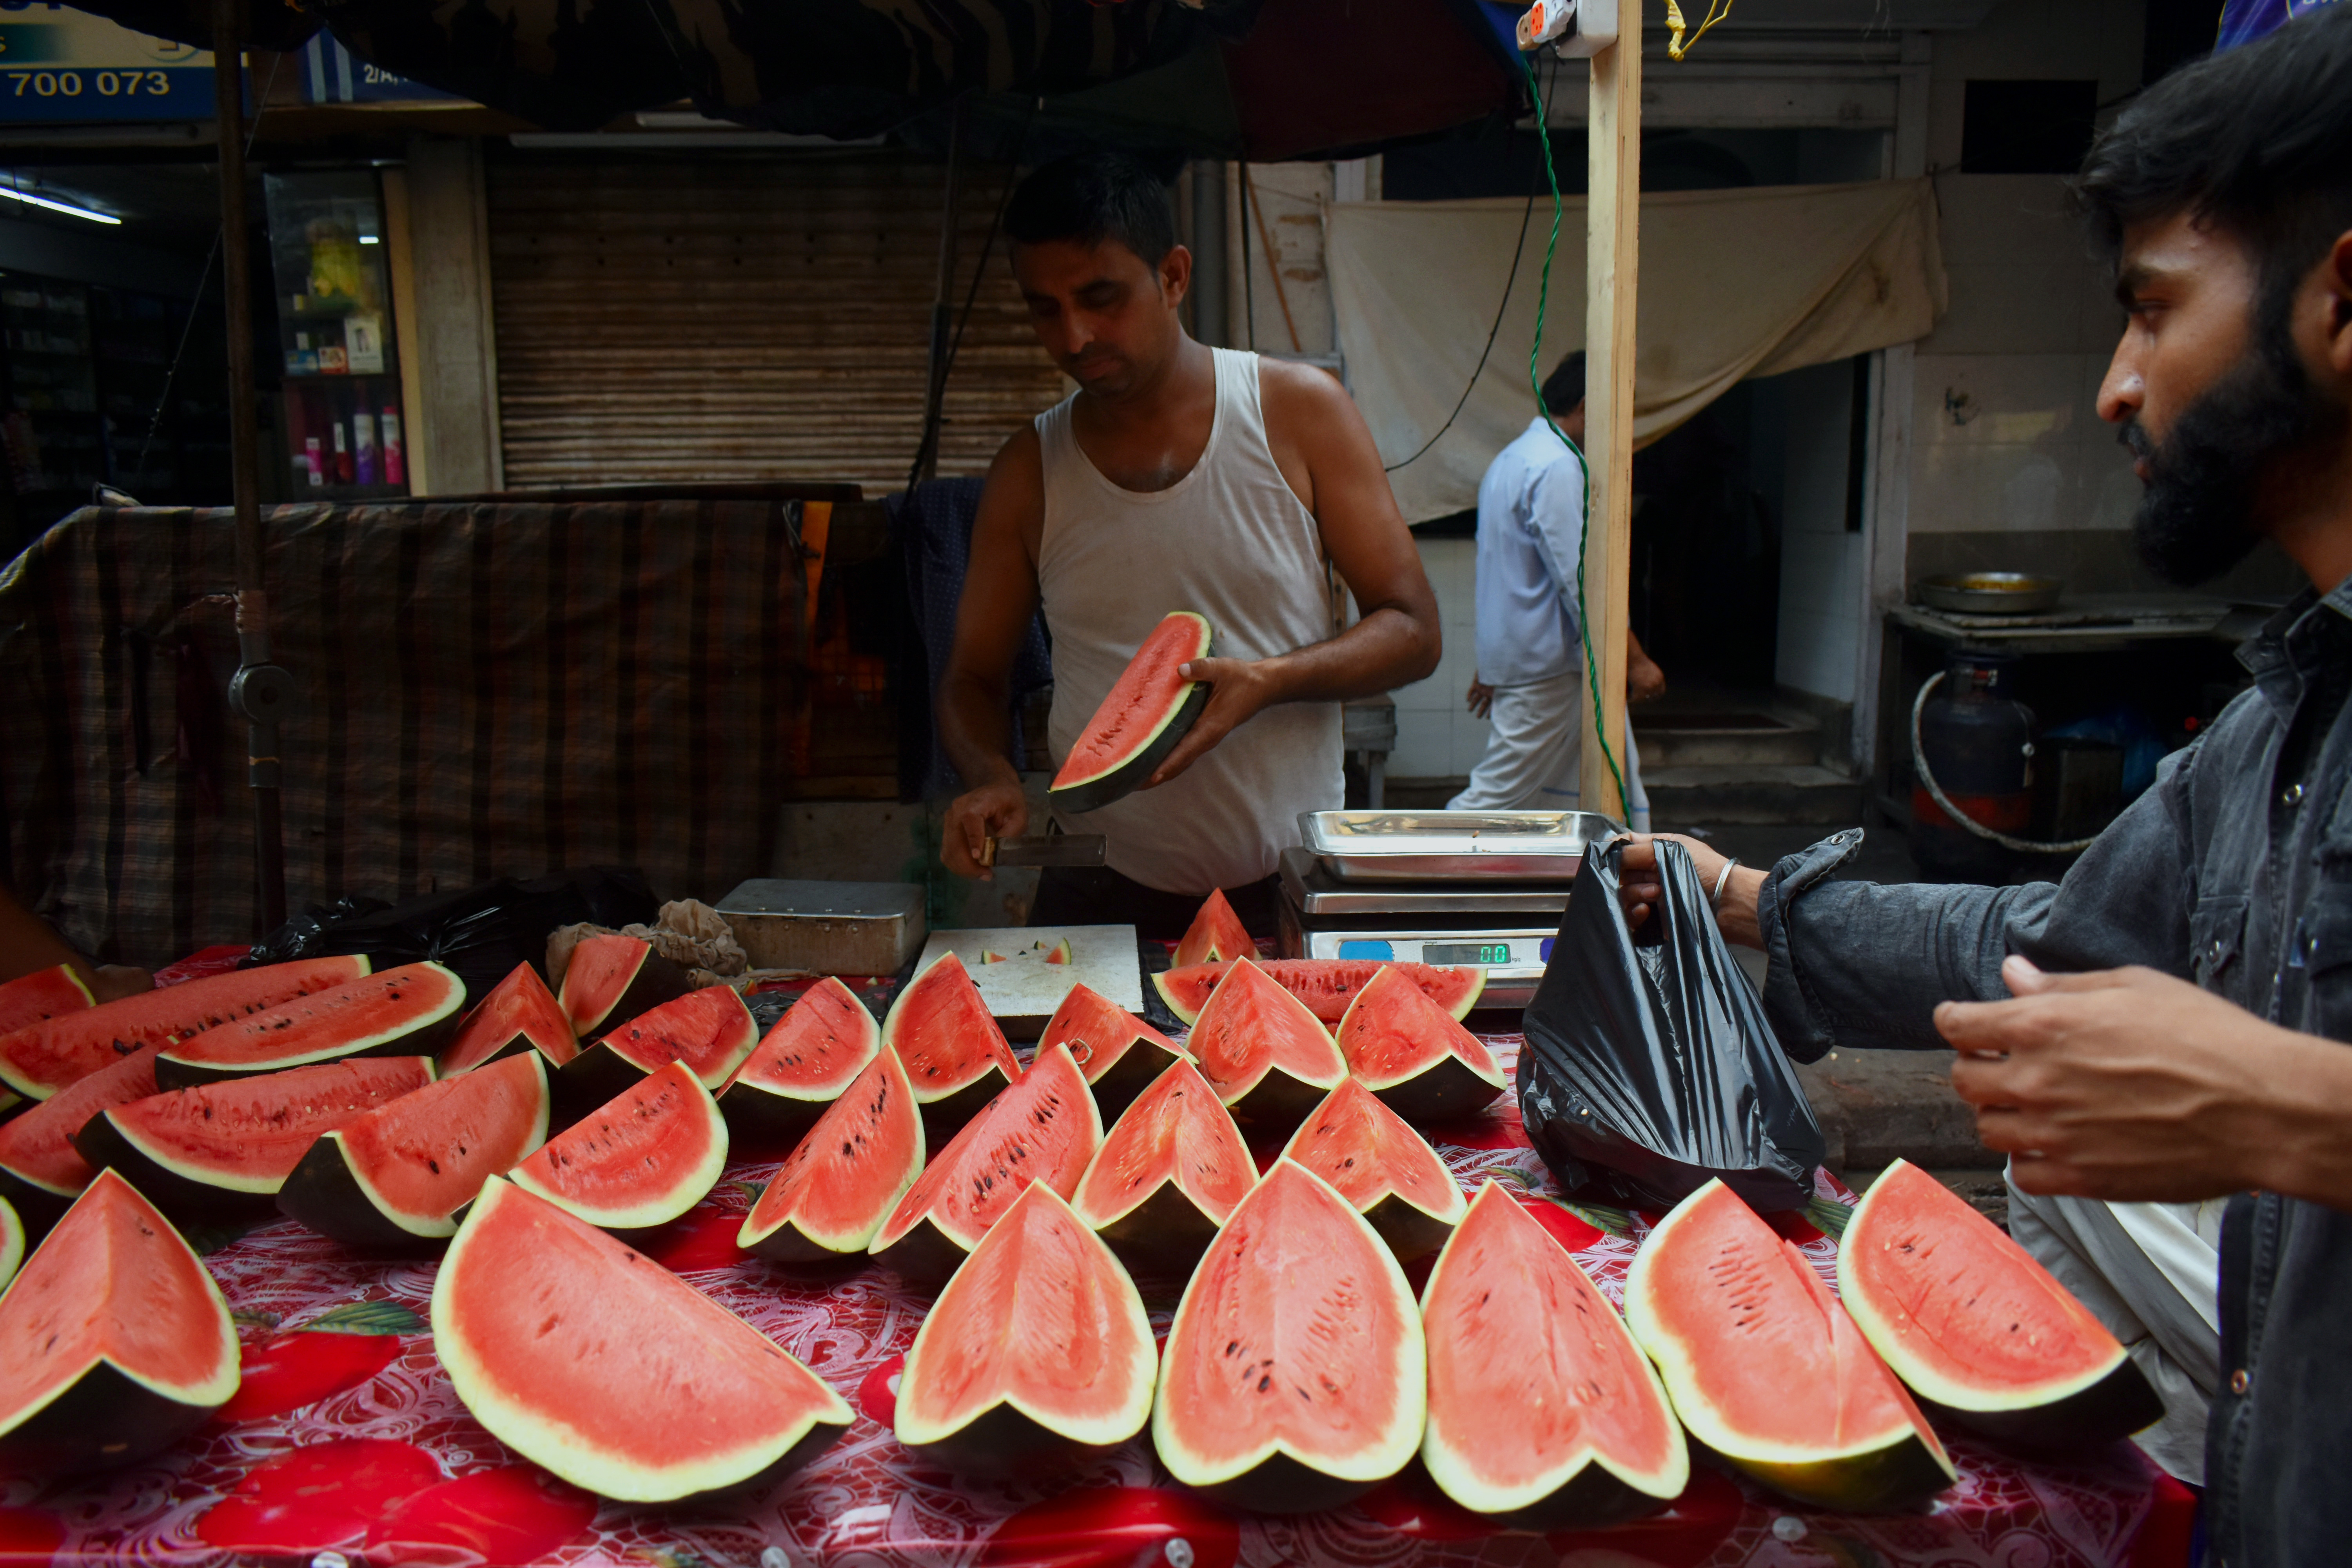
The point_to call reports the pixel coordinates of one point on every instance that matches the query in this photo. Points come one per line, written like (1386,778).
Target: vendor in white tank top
(1177,477)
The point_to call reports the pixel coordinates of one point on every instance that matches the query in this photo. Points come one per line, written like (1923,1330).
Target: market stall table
(353,1445)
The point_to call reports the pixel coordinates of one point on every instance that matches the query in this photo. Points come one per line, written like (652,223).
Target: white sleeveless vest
(1231,540)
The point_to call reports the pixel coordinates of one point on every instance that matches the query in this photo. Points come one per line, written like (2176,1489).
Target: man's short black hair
(1563,389)
(1090,197)
(2257,141)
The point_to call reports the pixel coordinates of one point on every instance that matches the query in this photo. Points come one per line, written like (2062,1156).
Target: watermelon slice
(955,1055)
(977,1396)
(1327,985)
(11,1241)
(711,1030)
(1147,710)
(1977,1329)
(45,994)
(404,1012)
(641,1160)
(1413,1054)
(805,1063)
(1383,1167)
(1045,1129)
(1293,1379)
(41,1172)
(520,1014)
(396,1176)
(1118,1052)
(1269,1058)
(1542,1411)
(598,1364)
(1169,1174)
(848,1173)
(38,1060)
(1765,1367)
(219,1152)
(613,978)
(1216,932)
(114,1341)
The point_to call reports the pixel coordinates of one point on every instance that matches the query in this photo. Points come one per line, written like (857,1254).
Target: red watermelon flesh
(611,979)
(1293,1379)
(1413,1054)
(519,1015)
(1039,1349)
(644,1158)
(36,1148)
(1764,1366)
(1118,1052)
(1326,984)
(1215,932)
(1171,1172)
(233,1143)
(1269,1058)
(404,1010)
(955,1054)
(709,1030)
(612,1371)
(1045,1129)
(43,995)
(1139,720)
(1973,1325)
(1383,1167)
(844,1179)
(38,1060)
(815,1053)
(114,1341)
(1541,1407)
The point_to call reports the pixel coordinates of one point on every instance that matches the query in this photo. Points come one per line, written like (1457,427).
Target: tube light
(14,194)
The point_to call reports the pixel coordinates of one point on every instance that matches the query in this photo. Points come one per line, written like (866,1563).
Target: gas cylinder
(1978,740)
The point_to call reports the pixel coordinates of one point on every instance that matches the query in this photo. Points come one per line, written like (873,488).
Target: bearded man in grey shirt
(2167,1024)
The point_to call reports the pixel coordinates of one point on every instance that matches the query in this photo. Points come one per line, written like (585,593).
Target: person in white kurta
(1530,681)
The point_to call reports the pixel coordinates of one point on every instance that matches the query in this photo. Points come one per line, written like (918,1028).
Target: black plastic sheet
(481,933)
(1649,1066)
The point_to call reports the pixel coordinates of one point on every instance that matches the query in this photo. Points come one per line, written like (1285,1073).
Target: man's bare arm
(1328,455)
(993,618)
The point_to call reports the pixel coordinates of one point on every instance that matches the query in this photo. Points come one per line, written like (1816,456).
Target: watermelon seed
(433,1165)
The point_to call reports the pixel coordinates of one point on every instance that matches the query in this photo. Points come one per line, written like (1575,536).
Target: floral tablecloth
(347,1444)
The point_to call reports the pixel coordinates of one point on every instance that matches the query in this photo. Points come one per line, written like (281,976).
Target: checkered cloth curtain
(485,690)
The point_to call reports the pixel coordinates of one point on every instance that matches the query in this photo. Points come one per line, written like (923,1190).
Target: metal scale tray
(1478,847)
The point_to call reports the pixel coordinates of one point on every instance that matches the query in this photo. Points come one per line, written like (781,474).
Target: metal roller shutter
(746,318)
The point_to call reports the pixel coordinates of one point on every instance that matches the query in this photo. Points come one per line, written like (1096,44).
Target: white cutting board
(1023,990)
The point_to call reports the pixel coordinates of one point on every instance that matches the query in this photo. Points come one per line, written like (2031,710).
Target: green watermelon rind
(949,1106)
(1181,989)
(406,1026)
(1411,1229)
(681,1188)
(1438,1086)
(1164,1227)
(786,1237)
(1124,776)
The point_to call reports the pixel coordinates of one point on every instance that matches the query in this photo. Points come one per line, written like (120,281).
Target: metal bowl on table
(1991,593)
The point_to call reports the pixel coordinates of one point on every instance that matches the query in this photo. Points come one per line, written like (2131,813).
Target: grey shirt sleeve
(1862,964)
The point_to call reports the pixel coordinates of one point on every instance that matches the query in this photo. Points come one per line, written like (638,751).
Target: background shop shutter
(752,319)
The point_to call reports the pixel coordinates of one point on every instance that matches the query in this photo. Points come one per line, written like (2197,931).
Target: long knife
(1045,849)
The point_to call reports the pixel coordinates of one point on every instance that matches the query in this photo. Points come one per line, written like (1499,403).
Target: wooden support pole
(1611,241)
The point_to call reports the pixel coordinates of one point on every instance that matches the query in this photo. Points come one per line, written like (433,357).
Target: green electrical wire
(1535,379)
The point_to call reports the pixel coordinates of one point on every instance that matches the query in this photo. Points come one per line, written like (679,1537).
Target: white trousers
(1532,755)
(2152,1273)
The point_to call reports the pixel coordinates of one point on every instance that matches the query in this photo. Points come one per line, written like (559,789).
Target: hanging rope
(1677,45)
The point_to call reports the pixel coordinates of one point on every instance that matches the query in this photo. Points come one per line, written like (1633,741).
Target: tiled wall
(1820,563)
(1436,736)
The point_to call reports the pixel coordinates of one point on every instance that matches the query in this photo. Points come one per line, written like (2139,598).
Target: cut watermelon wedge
(1411,1053)
(1542,1411)
(1216,932)
(612,1371)
(1977,1329)
(956,1056)
(1389,1172)
(807,1061)
(520,1014)
(709,1030)
(45,994)
(846,1175)
(1169,1174)
(1118,1052)
(41,1171)
(641,1160)
(1766,1368)
(1269,1059)
(611,979)
(1327,985)
(41,1059)
(402,1011)
(1147,710)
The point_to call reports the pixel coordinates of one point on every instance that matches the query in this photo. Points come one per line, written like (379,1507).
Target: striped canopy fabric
(485,689)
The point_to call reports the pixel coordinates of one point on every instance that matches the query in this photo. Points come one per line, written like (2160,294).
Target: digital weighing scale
(1435,887)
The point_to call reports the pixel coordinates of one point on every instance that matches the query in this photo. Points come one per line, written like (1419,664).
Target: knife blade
(1045,849)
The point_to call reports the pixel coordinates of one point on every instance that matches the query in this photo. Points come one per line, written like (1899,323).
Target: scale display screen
(1481,953)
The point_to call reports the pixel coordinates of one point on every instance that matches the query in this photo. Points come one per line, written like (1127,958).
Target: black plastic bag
(481,933)
(1649,1067)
